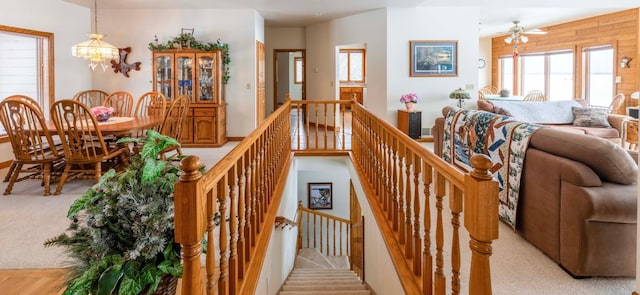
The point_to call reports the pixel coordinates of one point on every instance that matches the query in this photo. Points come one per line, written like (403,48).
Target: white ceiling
(496,16)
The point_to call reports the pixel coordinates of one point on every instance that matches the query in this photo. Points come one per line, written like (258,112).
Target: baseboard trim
(235,138)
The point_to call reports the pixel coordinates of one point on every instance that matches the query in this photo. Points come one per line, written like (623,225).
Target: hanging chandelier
(95,50)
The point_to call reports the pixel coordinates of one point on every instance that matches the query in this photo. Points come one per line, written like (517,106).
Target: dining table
(120,126)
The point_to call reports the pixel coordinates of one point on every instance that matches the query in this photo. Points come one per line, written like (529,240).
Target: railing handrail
(325,215)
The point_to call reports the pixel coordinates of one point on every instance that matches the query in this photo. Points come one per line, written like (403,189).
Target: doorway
(289,75)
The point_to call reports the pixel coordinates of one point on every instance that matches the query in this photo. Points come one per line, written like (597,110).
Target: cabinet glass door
(184,68)
(206,81)
(163,78)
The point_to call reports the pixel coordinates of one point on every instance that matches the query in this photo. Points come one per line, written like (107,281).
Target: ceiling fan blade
(535,31)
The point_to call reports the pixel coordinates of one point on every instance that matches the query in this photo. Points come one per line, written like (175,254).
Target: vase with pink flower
(409,100)
(102,113)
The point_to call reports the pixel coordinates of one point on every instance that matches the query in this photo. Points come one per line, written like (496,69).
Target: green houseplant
(121,231)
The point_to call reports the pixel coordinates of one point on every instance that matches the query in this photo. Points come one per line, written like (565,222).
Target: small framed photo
(320,195)
(433,58)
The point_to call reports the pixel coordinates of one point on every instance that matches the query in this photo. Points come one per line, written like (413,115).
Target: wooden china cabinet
(198,74)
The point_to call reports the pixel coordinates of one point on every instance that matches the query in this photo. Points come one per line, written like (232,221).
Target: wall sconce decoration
(624,62)
(122,65)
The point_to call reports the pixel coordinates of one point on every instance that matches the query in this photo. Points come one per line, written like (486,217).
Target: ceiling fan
(517,33)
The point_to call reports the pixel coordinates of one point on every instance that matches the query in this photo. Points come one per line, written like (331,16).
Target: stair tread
(350,292)
(332,287)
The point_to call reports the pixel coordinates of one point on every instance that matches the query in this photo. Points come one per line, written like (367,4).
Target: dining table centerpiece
(121,234)
(409,100)
(102,113)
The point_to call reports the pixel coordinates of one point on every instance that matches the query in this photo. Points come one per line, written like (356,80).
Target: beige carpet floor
(27,219)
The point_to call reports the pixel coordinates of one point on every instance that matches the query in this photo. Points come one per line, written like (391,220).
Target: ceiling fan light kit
(517,36)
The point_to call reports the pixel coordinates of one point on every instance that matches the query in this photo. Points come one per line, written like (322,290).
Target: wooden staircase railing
(323,232)
(405,186)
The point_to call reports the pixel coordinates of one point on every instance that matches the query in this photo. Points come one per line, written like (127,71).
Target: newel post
(481,221)
(190,222)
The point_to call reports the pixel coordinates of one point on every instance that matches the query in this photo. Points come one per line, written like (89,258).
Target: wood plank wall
(620,29)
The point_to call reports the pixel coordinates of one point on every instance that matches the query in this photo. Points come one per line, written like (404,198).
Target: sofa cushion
(608,160)
(590,117)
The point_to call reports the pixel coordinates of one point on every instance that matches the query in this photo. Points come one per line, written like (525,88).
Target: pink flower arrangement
(102,110)
(409,97)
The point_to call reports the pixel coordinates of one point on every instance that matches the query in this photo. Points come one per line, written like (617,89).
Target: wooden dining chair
(173,121)
(92,97)
(151,103)
(121,102)
(85,149)
(534,95)
(32,144)
(489,89)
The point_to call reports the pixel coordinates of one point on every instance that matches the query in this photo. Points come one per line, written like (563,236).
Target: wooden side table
(410,123)
(630,134)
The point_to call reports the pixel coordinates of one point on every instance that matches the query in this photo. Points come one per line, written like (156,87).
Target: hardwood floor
(31,281)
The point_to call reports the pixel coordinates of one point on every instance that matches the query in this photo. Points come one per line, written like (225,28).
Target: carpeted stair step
(315,256)
(348,292)
(305,263)
(324,287)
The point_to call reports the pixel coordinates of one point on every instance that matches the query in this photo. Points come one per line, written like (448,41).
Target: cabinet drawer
(204,112)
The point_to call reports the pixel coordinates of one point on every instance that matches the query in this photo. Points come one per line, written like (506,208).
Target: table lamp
(460,95)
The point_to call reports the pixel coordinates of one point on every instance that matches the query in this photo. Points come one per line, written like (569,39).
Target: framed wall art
(433,58)
(320,195)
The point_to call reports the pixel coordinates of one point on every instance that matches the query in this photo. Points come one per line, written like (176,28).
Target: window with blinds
(25,59)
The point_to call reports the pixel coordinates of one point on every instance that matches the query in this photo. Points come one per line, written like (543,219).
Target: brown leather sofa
(578,201)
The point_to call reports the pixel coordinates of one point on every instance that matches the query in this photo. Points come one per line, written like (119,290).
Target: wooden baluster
(481,221)
(308,232)
(343,130)
(223,281)
(395,205)
(317,129)
(321,236)
(408,246)
(233,231)
(455,205)
(249,207)
(334,238)
(190,223)
(402,235)
(212,283)
(326,125)
(341,245)
(427,267)
(440,281)
(242,211)
(254,195)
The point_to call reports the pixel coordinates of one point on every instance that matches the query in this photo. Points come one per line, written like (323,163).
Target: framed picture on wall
(320,195)
(433,58)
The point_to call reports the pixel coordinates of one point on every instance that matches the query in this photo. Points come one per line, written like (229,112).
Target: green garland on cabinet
(186,40)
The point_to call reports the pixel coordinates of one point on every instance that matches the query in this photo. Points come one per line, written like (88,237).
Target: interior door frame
(304,74)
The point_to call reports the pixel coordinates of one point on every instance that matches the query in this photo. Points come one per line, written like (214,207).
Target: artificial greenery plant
(187,40)
(121,236)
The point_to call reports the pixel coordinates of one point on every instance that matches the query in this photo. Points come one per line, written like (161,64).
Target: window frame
(46,66)
(586,67)
(348,51)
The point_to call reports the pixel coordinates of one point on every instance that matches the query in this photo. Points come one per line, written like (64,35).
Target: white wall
(368,28)
(279,38)
(430,23)
(281,251)
(135,28)
(378,270)
(325,169)
(484,75)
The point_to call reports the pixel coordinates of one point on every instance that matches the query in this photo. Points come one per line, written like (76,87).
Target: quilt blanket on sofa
(502,138)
